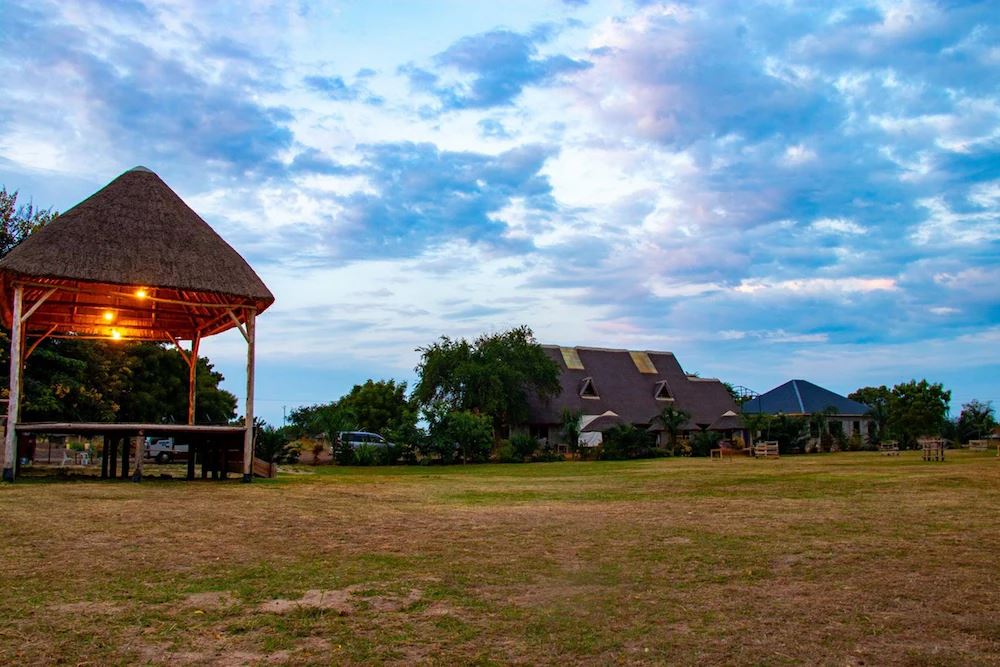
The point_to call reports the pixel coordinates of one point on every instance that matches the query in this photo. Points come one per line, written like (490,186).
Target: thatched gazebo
(133,262)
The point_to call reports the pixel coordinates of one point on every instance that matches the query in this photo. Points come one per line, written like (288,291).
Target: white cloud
(838,226)
(817,286)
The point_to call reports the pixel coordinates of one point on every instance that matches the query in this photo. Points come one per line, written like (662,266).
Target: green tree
(496,375)
(791,433)
(382,407)
(917,409)
(71,380)
(759,425)
(463,434)
(672,419)
(19,222)
(570,429)
(75,380)
(975,421)
(819,423)
(327,420)
(877,399)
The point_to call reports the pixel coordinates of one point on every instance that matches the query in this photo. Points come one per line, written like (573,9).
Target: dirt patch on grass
(344,601)
(337,600)
(211,600)
(394,602)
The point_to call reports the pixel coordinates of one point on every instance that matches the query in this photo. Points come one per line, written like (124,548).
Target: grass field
(826,559)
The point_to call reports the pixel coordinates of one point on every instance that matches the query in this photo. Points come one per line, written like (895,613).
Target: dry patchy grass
(836,559)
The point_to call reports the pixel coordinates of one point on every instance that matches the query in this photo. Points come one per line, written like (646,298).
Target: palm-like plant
(757,422)
(672,419)
(571,428)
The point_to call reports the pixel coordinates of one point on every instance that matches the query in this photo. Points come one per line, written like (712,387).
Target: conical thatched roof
(133,234)
(136,231)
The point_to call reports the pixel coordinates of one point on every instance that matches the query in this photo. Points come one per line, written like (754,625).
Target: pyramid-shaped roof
(801,397)
(133,236)
(136,231)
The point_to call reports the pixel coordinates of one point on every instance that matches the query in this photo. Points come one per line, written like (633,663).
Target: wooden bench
(889,448)
(767,449)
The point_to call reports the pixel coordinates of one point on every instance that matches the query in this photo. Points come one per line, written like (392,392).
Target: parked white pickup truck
(165,450)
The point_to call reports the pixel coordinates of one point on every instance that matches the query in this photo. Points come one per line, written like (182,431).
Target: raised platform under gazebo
(133,263)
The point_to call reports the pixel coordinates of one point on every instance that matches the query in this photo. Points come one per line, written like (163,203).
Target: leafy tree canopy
(494,375)
(18,222)
(381,407)
(917,409)
(78,380)
(976,420)
(878,400)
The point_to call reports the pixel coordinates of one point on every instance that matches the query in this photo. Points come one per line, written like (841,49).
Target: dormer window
(663,391)
(587,389)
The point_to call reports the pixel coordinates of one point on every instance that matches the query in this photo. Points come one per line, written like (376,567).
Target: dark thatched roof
(136,231)
(134,236)
(628,383)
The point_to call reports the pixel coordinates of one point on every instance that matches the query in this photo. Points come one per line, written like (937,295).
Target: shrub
(344,453)
(272,444)
(366,454)
(461,434)
(627,442)
(523,446)
(505,453)
(703,442)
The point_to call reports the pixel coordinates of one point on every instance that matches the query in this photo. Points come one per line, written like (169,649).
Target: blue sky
(783,191)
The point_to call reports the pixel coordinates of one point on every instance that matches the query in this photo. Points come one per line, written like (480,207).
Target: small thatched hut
(131,262)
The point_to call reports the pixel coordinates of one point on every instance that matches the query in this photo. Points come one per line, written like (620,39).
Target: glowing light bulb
(141,293)
(108,316)
(115,334)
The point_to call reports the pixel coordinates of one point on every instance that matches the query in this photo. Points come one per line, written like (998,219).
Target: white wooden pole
(14,404)
(251,335)
(192,378)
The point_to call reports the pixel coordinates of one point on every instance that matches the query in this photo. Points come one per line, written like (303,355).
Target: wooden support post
(203,455)
(14,404)
(193,376)
(224,462)
(215,461)
(251,336)
(17,455)
(125,456)
(190,462)
(112,456)
(104,457)
(140,447)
